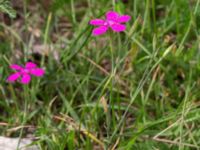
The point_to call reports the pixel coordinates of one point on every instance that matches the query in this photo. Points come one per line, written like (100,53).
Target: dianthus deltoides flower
(113,20)
(25,72)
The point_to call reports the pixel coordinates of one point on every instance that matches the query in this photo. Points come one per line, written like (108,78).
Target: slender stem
(154,15)
(111,53)
(26,28)
(113,3)
(46,35)
(26,96)
(108,116)
(135,9)
(196,7)
(73,12)
(146,16)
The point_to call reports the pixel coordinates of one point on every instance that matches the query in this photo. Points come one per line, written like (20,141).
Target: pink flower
(25,72)
(113,20)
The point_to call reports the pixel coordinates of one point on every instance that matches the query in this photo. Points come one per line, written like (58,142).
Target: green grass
(137,90)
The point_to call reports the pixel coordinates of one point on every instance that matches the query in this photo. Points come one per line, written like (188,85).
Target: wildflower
(113,20)
(25,72)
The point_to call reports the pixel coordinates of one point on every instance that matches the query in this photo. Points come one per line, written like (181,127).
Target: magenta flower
(25,72)
(113,21)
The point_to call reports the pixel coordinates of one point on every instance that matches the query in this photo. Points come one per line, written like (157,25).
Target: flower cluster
(113,20)
(25,72)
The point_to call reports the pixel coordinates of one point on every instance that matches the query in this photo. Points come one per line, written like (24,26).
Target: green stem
(146,16)
(26,96)
(113,3)
(73,12)
(26,29)
(154,16)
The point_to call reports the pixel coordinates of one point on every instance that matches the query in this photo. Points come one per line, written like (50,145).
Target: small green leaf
(5,7)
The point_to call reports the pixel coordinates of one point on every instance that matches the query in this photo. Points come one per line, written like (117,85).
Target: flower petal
(13,77)
(26,78)
(97,22)
(100,30)
(37,72)
(118,27)
(111,15)
(123,18)
(30,65)
(16,67)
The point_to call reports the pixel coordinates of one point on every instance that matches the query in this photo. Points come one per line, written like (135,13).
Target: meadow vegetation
(132,90)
